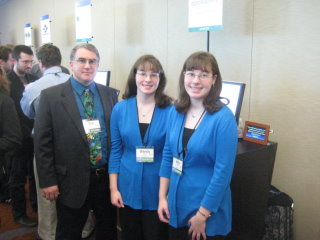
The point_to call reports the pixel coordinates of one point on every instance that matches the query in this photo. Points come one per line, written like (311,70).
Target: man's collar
(79,88)
(52,70)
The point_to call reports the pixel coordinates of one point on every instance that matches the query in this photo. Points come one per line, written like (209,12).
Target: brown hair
(203,61)
(152,63)
(49,55)
(4,84)
(4,53)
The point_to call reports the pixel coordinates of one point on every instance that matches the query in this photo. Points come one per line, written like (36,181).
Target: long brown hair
(150,62)
(203,61)
(4,84)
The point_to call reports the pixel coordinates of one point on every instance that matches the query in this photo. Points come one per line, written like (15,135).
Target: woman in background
(198,156)
(10,132)
(137,136)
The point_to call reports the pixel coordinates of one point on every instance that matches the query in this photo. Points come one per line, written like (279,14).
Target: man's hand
(51,193)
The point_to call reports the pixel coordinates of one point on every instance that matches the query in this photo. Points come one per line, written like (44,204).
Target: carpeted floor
(11,231)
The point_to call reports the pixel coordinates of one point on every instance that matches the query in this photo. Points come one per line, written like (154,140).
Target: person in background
(6,60)
(137,135)
(20,162)
(72,146)
(10,132)
(6,64)
(199,155)
(36,70)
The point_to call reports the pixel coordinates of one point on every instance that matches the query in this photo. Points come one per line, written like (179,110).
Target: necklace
(145,112)
(194,115)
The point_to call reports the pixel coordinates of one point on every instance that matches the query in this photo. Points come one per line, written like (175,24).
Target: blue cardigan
(207,170)
(138,183)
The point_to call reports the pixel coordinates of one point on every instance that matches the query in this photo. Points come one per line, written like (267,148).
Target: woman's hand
(197,227)
(116,199)
(163,210)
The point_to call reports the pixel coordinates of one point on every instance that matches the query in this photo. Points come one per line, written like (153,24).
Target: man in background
(36,70)
(49,58)
(20,160)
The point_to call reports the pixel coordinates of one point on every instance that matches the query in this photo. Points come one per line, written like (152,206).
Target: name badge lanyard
(148,129)
(184,149)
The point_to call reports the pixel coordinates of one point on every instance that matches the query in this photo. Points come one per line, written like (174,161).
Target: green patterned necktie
(93,137)
(88,104)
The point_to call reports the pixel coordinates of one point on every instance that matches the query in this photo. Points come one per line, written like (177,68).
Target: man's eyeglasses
(152,75)
(202,75)
(83,61)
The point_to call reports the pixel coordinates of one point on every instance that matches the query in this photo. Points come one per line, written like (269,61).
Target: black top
(10,134)
(143,129)
(187,133)
(16,91)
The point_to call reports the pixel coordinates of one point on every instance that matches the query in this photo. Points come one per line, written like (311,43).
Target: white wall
(273,46)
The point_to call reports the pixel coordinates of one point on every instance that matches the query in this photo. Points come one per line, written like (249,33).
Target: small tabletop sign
(256,132)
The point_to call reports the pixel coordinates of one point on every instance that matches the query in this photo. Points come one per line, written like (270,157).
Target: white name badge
(177,165)
(145,154)
(91,126)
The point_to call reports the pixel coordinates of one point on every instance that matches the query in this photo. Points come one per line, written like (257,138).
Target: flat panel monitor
(102,77)
(232,95)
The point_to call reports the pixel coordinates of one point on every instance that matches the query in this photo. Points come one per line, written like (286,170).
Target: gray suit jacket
(61,147)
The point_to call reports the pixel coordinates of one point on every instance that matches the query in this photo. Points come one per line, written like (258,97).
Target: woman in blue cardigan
(198,156)
(138,135)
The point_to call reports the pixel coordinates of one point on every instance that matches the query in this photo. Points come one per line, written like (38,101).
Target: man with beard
(20,160)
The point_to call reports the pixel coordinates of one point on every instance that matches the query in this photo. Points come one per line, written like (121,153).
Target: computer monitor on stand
(103,77)
(232,95)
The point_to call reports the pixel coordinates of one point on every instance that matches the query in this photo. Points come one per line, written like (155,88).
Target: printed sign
(83,21)
(256,132)
(45,29)
(27,35)
(205,15)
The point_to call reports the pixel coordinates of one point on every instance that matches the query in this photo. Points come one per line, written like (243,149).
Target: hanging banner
(205,15)
(83,21)
(45,29)
(27,35)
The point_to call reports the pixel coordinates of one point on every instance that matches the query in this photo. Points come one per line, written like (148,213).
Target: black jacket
(16,91)
(10,133)
(61,146)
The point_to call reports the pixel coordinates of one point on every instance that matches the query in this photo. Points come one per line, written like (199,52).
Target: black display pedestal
(250,186)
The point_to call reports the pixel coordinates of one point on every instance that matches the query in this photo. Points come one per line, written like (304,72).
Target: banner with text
(205,15)
(45,29)
(83,21)
(27,35)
